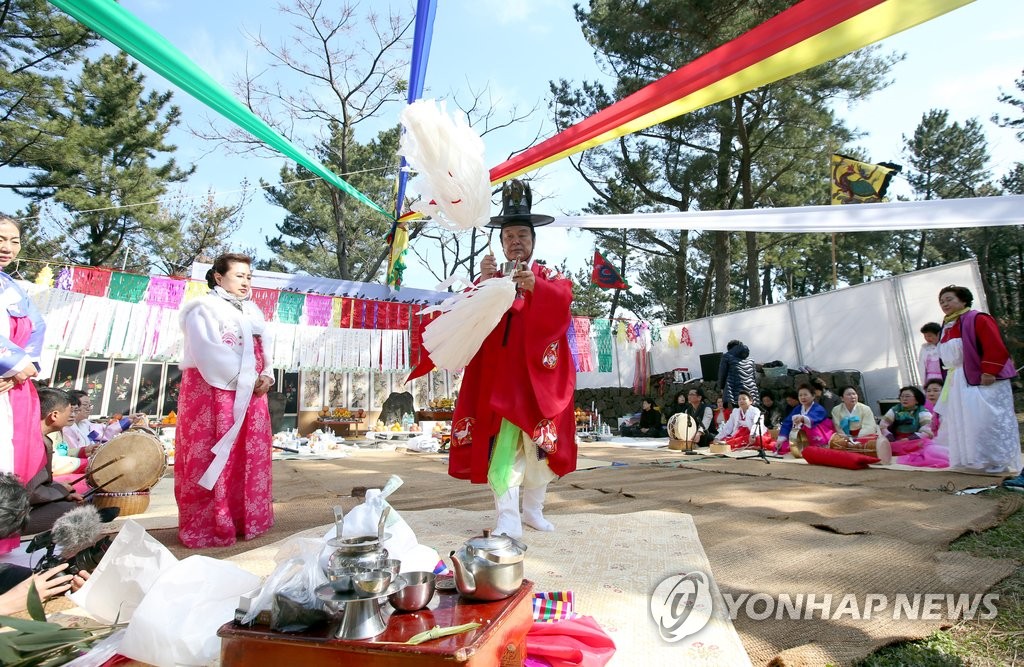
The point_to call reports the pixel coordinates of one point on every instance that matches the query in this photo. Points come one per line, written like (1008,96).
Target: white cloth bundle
(466,319)
(449,158)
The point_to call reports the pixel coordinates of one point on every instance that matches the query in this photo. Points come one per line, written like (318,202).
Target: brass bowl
(371,583)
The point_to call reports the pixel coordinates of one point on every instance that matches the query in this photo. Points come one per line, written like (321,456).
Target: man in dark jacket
(50,499)
(737,373)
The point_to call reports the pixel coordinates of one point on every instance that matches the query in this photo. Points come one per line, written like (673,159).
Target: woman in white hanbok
(979,425)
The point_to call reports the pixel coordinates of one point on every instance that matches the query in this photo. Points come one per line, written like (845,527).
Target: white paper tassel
(449,158)
(466,319)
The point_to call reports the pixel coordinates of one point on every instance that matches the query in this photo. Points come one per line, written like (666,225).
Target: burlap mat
(765,529)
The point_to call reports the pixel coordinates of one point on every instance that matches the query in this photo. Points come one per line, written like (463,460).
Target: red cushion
(822,456)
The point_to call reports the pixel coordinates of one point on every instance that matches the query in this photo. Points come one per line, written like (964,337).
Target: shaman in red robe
(523,373)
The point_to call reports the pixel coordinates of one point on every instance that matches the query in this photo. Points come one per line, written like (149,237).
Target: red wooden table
(500,641)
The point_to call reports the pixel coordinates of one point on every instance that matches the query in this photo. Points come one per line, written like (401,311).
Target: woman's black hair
(223,264)
(961,293)
(932,328)
(932,381)
(14,221)
(807,386)
(918,394)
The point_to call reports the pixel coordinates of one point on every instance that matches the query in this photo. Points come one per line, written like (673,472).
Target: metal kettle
(489,567)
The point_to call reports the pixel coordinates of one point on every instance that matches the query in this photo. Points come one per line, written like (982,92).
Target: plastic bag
(399,538)
(177,622)
(296,577)
(131,566)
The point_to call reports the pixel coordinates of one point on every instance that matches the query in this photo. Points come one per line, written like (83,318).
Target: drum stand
(760,453)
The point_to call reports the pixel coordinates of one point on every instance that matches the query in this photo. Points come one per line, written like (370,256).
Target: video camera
(76,533)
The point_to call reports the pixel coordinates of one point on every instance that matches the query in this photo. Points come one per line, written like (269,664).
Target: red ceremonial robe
(525,375)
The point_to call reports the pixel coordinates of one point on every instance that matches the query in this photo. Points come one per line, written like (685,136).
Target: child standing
(928,363)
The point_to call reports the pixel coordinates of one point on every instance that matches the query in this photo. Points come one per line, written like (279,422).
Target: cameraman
(15,580)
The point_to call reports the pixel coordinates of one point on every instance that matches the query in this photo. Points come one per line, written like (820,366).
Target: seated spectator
(771,411)
(856,420)
(745,427)
(15,579)
(82,433)
(808,418)
(50,499)
(790,398)
(908,427)
(932,391)
(703,416)
(677,405)
(649,425)
(722,412)
(824,396)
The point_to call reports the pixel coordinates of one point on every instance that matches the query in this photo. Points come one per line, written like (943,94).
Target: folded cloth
(579,642)
(554,606)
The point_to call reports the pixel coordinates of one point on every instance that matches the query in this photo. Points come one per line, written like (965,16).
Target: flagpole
(835,271)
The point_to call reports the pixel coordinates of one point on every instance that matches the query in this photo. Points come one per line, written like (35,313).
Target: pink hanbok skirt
(240,503)
(919,452)
(29,453)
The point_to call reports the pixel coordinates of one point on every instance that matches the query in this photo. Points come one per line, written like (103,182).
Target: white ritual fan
(448,157)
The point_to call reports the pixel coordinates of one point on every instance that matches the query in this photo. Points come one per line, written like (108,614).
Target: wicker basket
(130,502)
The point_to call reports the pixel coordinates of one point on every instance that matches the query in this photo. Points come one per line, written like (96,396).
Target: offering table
(499,641)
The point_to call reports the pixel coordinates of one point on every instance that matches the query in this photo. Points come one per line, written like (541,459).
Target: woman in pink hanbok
(808,418)
(908,427)
(932,392)
(21,339)
(222,467)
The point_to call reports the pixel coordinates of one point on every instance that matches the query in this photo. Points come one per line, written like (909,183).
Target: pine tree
(102,170)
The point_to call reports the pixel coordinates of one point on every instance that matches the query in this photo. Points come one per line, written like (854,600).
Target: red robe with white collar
(523,373)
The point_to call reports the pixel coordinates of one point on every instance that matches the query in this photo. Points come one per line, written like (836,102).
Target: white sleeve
(730,426)
(217,361)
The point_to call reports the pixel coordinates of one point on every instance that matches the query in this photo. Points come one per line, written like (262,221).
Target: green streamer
(503,457)
(136,38)
(127,287)
(289,307)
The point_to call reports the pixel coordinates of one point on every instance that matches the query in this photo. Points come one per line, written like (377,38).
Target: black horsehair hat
(516,199)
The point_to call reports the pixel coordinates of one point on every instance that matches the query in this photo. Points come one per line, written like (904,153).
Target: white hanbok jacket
(751,419)
(219,343)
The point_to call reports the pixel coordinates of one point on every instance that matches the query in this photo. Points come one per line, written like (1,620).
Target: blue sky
(959,62)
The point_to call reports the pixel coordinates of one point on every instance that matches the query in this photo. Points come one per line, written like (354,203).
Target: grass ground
(976,643)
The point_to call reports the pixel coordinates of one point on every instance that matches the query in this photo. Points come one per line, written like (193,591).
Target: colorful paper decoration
(337,308)
(289,307)
(165,292)
(604,345)
(65,279)
(45,276)
(266,301)
(684,337)
(90,280)
(195,289)
(318,310)
(581,331)
(128,287)
(673,342)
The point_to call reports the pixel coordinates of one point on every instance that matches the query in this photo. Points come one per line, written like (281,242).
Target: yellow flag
(856,182)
